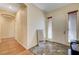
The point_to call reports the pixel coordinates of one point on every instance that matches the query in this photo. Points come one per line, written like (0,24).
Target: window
(72,30)
(50,34)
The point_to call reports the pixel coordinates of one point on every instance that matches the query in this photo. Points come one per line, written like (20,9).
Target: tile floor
(50,48)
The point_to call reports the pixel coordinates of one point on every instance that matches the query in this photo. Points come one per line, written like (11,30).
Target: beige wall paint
(21,27)
(60,23)
(35,21)
(6,26)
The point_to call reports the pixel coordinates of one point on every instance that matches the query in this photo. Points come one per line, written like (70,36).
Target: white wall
(60,23)
(35,20)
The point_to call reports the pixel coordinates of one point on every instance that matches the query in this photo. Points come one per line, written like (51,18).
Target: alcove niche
(13,22)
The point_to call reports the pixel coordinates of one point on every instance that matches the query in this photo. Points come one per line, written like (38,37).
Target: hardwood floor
(10,46)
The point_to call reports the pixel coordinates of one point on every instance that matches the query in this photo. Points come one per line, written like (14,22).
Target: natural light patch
(50,34)
(72,33)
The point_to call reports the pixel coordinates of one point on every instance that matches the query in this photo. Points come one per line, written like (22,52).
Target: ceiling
(49,6)
(11,7)
(46,7)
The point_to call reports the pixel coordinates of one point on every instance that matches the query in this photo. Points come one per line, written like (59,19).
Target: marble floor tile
(50,48)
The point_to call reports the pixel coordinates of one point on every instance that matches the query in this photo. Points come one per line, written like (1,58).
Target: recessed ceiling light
(10,7)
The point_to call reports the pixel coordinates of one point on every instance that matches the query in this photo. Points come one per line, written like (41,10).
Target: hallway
(10,46)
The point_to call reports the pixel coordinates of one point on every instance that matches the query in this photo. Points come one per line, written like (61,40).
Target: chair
(74,47)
